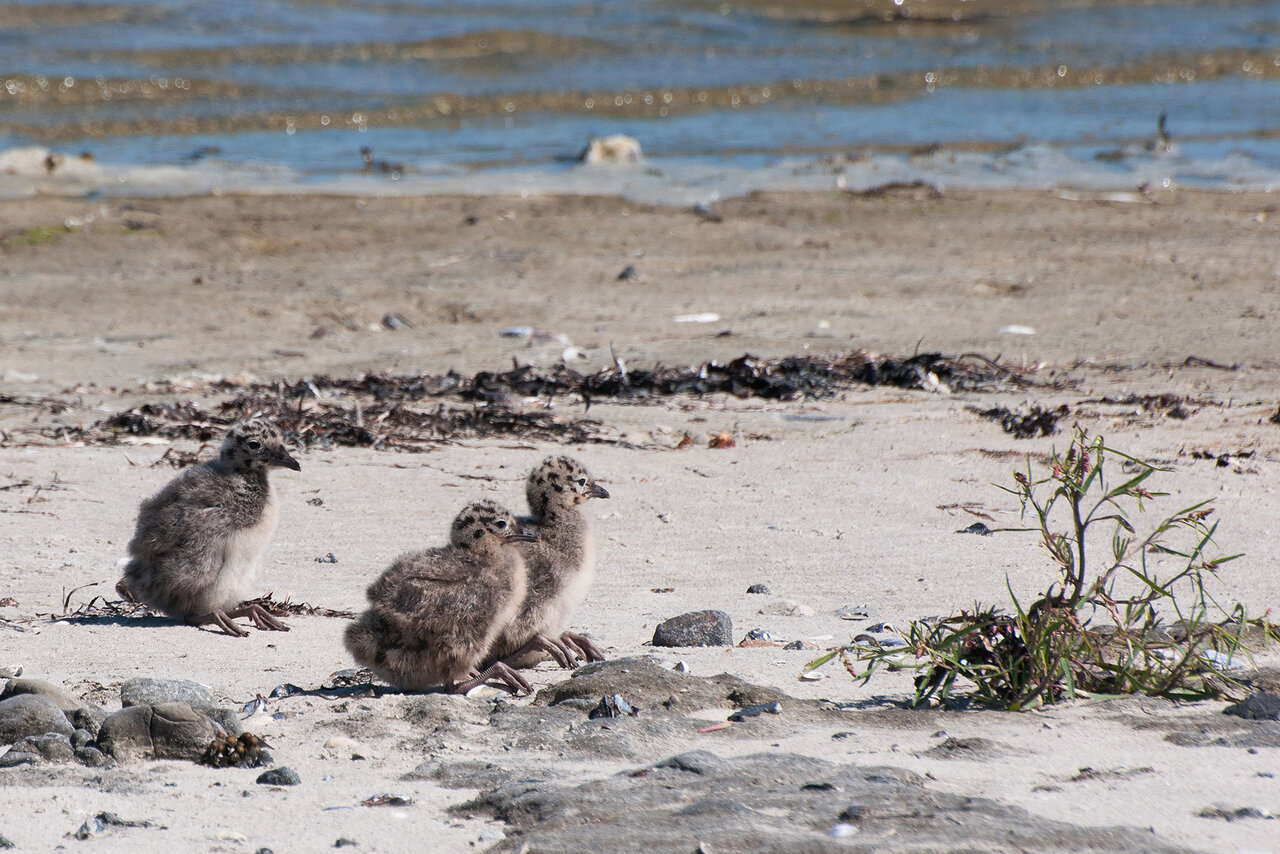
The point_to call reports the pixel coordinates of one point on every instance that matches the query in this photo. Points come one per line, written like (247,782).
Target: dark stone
(92,757)
(699,628)
(165,731)
(51,747)
(80,738)
(978,528)
(1260,706)
(343,842)
(774,802)
(5,842)
(282,776)
(628,272)
(88,718)
(146,691)
(774,708)
(762,589)
(31,714)
(14,758)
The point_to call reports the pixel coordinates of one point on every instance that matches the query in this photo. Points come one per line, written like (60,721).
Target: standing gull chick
(561,567)
(433,614)
(199,542)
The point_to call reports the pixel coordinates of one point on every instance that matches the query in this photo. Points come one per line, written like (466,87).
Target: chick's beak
(597,491)
(524,535)
(280,457)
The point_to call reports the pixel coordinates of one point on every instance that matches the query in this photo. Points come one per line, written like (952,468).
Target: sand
(854,500)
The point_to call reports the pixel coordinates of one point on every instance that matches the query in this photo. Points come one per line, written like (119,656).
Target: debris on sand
(419,412)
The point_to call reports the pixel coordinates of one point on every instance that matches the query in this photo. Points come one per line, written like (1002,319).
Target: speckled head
(559,482)
(255,444)
(484,524)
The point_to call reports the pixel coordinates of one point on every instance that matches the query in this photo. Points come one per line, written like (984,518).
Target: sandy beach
(1106,301)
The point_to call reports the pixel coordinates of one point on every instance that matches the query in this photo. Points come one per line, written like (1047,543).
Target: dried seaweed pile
(377,411)
(381,425)
(790,378)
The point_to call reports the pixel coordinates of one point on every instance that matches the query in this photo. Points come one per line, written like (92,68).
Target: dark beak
(597,491)
(281,458)
(524,536)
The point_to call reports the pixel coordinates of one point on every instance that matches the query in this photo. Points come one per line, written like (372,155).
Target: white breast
(576,587)
(243,558)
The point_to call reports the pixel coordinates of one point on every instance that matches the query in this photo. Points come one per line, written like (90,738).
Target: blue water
(252,65)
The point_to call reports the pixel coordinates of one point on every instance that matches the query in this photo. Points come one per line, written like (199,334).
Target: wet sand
(847,501)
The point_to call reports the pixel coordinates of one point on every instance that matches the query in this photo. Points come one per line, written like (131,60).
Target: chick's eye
(253,445)
(582,481)
(502,524)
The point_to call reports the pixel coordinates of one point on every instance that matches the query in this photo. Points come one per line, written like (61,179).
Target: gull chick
(199,543)
(561,567)
(434,614)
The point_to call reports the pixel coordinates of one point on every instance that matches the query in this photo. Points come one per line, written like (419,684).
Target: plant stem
(1078,581)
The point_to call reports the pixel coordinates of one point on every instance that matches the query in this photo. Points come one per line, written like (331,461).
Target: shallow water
(178,96)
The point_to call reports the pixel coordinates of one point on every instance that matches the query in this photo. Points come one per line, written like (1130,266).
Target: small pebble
(628,273)
(761,589)
(343,842)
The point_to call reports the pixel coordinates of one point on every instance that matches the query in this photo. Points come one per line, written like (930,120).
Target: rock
(14,758)
(226,720)
(146,691)
(164,731)
(282,776)
(699,628)
(5,842)
(51,747)
(761,589)
(88,717)
(799,644)
(774,802)
(1259,706)
(80,738)
(92,757)
(31,714)
(649,685)
(774,708)
(65,701)
(343,842)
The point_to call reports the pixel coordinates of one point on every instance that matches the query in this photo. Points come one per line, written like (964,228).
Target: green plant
(38,235)
(1123,623)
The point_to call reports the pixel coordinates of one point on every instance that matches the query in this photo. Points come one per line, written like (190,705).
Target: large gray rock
(23,685)
(776,802)
(164,731)
(698,628)
(31,714)
(147,691)
(51,747)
